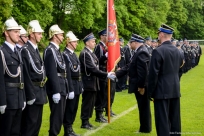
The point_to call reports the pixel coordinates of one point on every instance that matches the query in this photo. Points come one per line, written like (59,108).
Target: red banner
(113,39)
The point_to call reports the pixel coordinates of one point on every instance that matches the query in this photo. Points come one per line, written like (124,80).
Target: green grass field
(126,122)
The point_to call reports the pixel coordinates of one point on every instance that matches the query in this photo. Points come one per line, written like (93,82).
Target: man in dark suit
(138,71)
(121,83)
(34,75)
(182,55)
(23,38)
(163,84)
(57,85)
(128,52)
(101,53)
(90,74)
(148,42)
(12,95)
(73,65)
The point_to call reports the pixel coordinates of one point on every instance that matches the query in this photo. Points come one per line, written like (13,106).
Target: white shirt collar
(89,49)
(57,46)
(103,44)
(19,46)
(11,46)
(34,46)
(70,50)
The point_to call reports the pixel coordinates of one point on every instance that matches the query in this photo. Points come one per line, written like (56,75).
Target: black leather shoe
(101,120)
(110,115)
(113,114)
(69,131)
(104,118)
(87,126)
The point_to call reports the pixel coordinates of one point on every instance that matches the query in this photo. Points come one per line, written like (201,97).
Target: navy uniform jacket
(163,80)
(55,84)
(72,63)
(90,71)
(122,61)
(12,97)
(127,53)
(100,51)
(32,91)
(150,49)
(137,69)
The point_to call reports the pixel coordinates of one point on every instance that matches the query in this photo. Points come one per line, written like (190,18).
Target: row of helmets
(34,26)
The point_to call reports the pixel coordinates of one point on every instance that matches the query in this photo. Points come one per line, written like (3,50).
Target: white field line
(112,120)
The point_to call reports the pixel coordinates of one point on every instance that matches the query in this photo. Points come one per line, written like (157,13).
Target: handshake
(111,75)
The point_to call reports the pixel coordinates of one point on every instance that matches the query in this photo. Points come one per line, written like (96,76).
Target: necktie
(37,51)
(16,51)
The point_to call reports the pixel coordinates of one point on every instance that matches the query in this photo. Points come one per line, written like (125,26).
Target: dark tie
(38,54)
(37,51)
(16,51)
(132,53)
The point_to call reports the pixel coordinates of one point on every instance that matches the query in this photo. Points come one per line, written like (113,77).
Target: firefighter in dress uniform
(12,94)
(57,80)
(72,63)
(34,76)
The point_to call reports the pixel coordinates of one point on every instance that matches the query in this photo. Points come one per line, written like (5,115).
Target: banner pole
(109,100)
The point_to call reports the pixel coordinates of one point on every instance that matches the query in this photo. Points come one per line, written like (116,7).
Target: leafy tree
(5,8)
(177,16)
(194,26)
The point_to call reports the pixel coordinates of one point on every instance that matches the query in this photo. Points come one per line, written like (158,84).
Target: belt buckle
(21,85)
(42,83)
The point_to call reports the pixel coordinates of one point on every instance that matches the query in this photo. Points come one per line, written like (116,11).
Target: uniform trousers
(31,120)
(167,116)
(112,95)
(10,122)
(70,111)
(121,84)
(57,115)
(144,112)
(100,96)
(88,102)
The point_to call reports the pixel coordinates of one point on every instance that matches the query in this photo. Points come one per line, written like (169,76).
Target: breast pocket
(88,82)
(12,66)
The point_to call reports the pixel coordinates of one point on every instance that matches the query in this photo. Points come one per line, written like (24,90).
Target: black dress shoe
(101,120)
(87,126)
(104,118)
(90,125)
(113,114)
(68,131)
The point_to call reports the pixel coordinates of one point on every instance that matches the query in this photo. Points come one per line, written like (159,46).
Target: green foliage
(133,16)
(194,26)
(177,16)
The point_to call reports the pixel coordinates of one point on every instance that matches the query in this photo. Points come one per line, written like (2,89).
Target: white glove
(106,54)
(111,75)
(56,97)
(82,90)
(2,109)
(24,105)
(31,102)
(71,95)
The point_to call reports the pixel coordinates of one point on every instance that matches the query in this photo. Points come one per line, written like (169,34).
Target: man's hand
(106,54)
(141,91)
(56,97)
(2,109)
(24,105)
(31,102)
(111,75)
(71,95)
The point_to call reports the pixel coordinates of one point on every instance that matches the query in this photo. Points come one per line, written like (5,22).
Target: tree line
(133,16)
